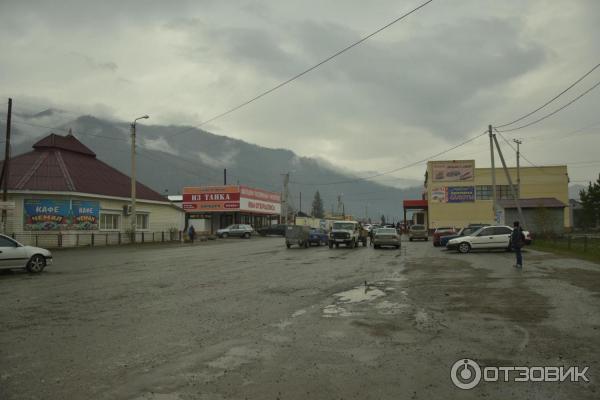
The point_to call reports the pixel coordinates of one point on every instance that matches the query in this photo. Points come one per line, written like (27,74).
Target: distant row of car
(475,237)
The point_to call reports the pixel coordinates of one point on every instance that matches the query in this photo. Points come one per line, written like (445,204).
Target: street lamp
(133,180)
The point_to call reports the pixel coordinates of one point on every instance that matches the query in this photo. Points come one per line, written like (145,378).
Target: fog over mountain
(171,157)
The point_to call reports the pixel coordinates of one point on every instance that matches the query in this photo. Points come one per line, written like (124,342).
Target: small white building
(64,196)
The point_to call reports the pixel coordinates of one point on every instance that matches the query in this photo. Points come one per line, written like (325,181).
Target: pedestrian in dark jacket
(517,240)
(192,233)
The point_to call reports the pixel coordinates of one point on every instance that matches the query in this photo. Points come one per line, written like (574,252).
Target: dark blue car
(318,236)
(463,232)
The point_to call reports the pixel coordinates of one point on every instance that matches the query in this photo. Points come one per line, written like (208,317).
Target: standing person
(192,233)
(517,239)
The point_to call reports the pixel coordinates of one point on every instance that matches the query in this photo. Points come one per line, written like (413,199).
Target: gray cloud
(441,75)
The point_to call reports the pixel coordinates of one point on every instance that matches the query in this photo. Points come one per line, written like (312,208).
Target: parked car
(418,232)
(16,255)
(318,236)
(386,237)
(442,231)
(297,235)
(488,237)
(276,230)
(463,232)
(239,230)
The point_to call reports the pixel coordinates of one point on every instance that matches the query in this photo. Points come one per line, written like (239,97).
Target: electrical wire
(306,71)
(412,164)
(553,112)
(551,100)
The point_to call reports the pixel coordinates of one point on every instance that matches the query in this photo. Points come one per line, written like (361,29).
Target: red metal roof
(64,164)
(414,204)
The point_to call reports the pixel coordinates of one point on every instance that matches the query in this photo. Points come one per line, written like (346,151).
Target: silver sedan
(386,237)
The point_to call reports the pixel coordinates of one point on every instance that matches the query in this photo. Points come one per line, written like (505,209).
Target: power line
(553,112)
(395,169)
(306,71)
(551,100)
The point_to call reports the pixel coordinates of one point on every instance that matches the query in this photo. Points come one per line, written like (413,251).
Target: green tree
(317,206)
(590,201)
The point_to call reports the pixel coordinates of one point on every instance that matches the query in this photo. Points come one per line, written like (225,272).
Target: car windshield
(343,226)
(386,231)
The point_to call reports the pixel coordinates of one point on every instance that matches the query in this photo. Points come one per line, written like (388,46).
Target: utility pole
(5,165)
(224,176)
(300,206)
(493,172)
(284,198)
(518,142)
(133,180)
(509,179)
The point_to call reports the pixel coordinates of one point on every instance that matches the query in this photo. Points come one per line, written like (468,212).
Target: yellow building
(459,194)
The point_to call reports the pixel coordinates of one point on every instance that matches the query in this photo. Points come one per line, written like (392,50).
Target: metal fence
(91,239)
(589,244)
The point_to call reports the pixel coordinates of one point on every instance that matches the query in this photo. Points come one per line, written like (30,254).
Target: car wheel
(331,245)
(464,247)
(426,239)
(397,247)
(246,235)
(337,245)
(288,245)
(375,246)
(36,264)
(410,239)
(306,244)
(224,235)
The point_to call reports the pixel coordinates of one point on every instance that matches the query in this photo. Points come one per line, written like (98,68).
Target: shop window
(142,221)
(484,192)
(109,222)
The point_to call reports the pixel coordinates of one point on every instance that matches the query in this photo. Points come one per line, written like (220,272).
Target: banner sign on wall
(58,215)
(230,198)
(438,195)
(46,215)
(453,194)
(460,194)
(449,171)
(85,214)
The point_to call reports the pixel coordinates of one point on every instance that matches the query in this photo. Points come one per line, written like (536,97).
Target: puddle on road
(298,313)
(335,310)
(359,294)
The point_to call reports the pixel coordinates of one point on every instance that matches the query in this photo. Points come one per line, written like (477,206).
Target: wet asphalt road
(237,319)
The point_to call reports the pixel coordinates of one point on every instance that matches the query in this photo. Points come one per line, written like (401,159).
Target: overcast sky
(428,82)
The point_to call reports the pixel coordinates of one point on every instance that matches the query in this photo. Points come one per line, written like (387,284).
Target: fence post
(142,237)
(77,240)
(106,239)
(569,242)
(13,236)
(92,240)
(36,241)
(119,238)
(585,243)
(60,239)
(152,237)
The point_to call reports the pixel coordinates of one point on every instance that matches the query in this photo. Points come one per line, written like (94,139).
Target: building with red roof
(61,186)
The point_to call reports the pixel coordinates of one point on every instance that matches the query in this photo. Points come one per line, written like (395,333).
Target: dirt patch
(469,290)
(583,278)
(377,328)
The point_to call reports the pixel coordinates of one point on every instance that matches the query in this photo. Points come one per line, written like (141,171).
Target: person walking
(517,240)
(192,233)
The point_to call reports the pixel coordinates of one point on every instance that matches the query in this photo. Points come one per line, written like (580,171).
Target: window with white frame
(109,221)
(142,221)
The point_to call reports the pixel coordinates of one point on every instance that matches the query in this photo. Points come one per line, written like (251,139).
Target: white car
(488,237)
(15,255)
